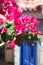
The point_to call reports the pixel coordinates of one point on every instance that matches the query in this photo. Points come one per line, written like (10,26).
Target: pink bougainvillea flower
(31,18)
(14,4)
(7,2)
(4,30)
(16,43)
(34,30)
(25,27)
(9,16)
(34,20)
(17,15)
(31,27)
(2,11)
(18,22)
(10,9)
(21,28)
(39,32)
(13,13)
(1,21)
(13,43)
(1,1)
(25,19)
(18,31)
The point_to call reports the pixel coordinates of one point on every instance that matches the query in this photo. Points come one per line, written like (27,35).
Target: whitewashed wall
(41,52)
(17,55)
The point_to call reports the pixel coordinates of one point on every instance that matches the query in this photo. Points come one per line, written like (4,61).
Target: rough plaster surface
(17,55)
(41,52)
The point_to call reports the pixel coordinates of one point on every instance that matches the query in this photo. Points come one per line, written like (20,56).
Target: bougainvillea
(16,25)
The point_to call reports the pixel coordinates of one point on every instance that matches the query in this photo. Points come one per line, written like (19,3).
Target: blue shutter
(28,54)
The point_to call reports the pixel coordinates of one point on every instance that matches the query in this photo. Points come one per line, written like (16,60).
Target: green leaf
(10,30)
(32,38)
(5,24)
(40,36)
(0,39)
(0,36)
(8,37)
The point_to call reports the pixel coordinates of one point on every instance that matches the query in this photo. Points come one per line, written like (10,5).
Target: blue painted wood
(36,53)
(28,54)
(21,55)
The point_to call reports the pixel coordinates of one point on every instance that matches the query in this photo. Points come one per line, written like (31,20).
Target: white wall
(17,55)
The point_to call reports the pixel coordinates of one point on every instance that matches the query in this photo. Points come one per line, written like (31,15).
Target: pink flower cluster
(13,43)
(4,5)
(22,23)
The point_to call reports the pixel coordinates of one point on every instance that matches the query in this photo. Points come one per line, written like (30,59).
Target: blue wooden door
(28,54)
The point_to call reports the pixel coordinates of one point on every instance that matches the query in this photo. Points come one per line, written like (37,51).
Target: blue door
(28,54)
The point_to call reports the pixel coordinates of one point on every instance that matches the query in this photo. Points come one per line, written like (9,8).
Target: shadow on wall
(2,52)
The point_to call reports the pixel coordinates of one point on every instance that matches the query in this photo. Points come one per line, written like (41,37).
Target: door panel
(29,54)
